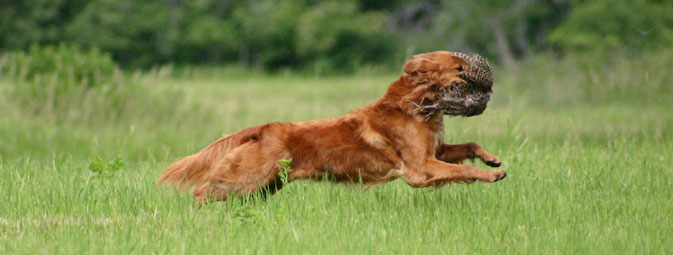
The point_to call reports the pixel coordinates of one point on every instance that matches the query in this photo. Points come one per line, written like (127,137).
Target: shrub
(67,63)
(66,82)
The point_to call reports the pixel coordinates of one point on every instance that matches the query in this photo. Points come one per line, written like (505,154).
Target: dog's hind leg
(192,170)
(247,169)
(456,153)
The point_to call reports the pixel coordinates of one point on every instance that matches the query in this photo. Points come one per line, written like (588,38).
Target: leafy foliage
(102,169)
(327,36)
(284,173)
(609,25)
(67,63)
(336,35)
(66,81)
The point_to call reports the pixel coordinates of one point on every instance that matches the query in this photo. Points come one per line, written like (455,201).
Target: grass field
(587,147)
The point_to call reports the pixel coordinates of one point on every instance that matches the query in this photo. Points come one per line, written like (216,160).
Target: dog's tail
(193,170)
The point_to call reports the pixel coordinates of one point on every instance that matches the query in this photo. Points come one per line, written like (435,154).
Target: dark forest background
(333,35)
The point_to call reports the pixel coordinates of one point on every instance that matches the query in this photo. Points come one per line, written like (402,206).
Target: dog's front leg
(456,153)
(437,173)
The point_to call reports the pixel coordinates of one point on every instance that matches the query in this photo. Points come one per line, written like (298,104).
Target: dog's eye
(460,68)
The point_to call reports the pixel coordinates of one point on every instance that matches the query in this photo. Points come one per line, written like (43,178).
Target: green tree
(337,35)
(27,22)
(608,25)
(268,31)
(135,32)
(504,30)
(210,34)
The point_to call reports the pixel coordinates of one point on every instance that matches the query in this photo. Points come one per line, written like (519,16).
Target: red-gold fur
(385,140)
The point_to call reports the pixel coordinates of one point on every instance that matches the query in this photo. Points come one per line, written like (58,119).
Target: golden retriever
(400,135)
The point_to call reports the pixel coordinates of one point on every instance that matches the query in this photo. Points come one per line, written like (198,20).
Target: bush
(66,82)
(69,64)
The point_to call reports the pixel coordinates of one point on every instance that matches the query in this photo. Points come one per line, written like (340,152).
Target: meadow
(587,145)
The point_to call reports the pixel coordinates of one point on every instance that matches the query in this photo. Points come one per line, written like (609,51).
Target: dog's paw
(496,175)
(501,175)
(491,161)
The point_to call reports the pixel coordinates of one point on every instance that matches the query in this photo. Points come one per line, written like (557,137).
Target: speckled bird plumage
(479,72)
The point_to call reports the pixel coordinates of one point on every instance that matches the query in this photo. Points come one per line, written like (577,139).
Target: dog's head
(452,83)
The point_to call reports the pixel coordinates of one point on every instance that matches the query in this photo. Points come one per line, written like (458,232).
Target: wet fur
(385,140)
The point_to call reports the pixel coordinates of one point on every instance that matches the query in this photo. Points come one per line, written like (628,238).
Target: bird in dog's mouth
(467,97)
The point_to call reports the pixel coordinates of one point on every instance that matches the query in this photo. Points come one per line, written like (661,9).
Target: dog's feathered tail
(194,170)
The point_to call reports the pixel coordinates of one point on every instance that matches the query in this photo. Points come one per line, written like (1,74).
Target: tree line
(332,35)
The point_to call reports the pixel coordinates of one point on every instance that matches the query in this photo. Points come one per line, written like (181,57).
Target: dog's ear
(420,64)
(421,69)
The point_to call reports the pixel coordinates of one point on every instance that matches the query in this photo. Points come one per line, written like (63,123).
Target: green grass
(587,147)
